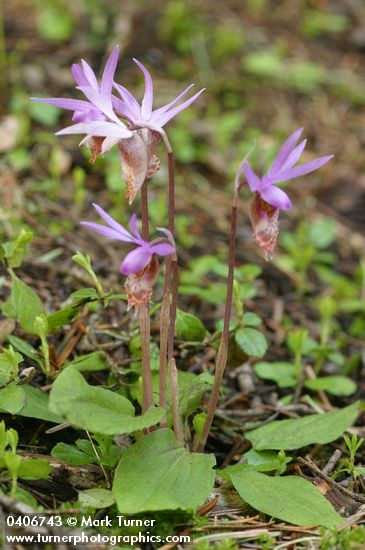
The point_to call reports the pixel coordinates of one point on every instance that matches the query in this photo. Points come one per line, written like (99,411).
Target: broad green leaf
(96,409)
(299,432)
(284,374)
(251,342)
(36,405)
(291,498)
(12,399)
(34,468)
(189,327)
(158,473)
(96,498)
(26,304)
(97,360)
(335,385)
(71,454)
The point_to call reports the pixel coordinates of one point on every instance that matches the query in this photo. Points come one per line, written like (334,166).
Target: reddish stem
(221,359)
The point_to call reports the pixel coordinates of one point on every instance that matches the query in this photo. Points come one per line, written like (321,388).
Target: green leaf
(96,498)
(34,468)
(25,348)
(251,319)
(14,251)
(188,327)
(72,455)
(97,360)
(291,498)
(258,461)
(96,409)
(158,473)
(62,317)
(284,374)
(84,295)
(335,385)
(299,432)
(12,399)
(251,342)
(36,406)
(25,303)
(9,361)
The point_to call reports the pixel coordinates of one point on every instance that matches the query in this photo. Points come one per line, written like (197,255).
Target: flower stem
(221,359)
(164,331)
(144,319)
(174,387)
(147,392)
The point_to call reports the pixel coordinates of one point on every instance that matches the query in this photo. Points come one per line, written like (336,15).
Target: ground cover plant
(183,323)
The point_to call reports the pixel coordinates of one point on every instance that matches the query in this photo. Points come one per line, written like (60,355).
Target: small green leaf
(299,432)
(14,251)
(291,498)
(12,399)
(96,360)
(188,327)
(62,317)
(25,348)
(71,454)
(158,473)
(251,319)
(96,409)
(251,342)
(335,385)
(284,374)
(26,304)
(96,498)
(9,361)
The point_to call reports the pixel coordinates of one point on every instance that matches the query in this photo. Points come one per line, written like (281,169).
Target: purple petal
(276,197)
(162,249)
(134,228)
(284,152)
(97,128)
(129,100)
(90,76)
(113,224)
(64,103)
(147,101)
(253,180)
(168,234)
(102,103)
(135,260)
(166,117)
(105,231)
(162,110)
(294,156)
(301,170)
(78,74)
(122,109)
(108,74)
